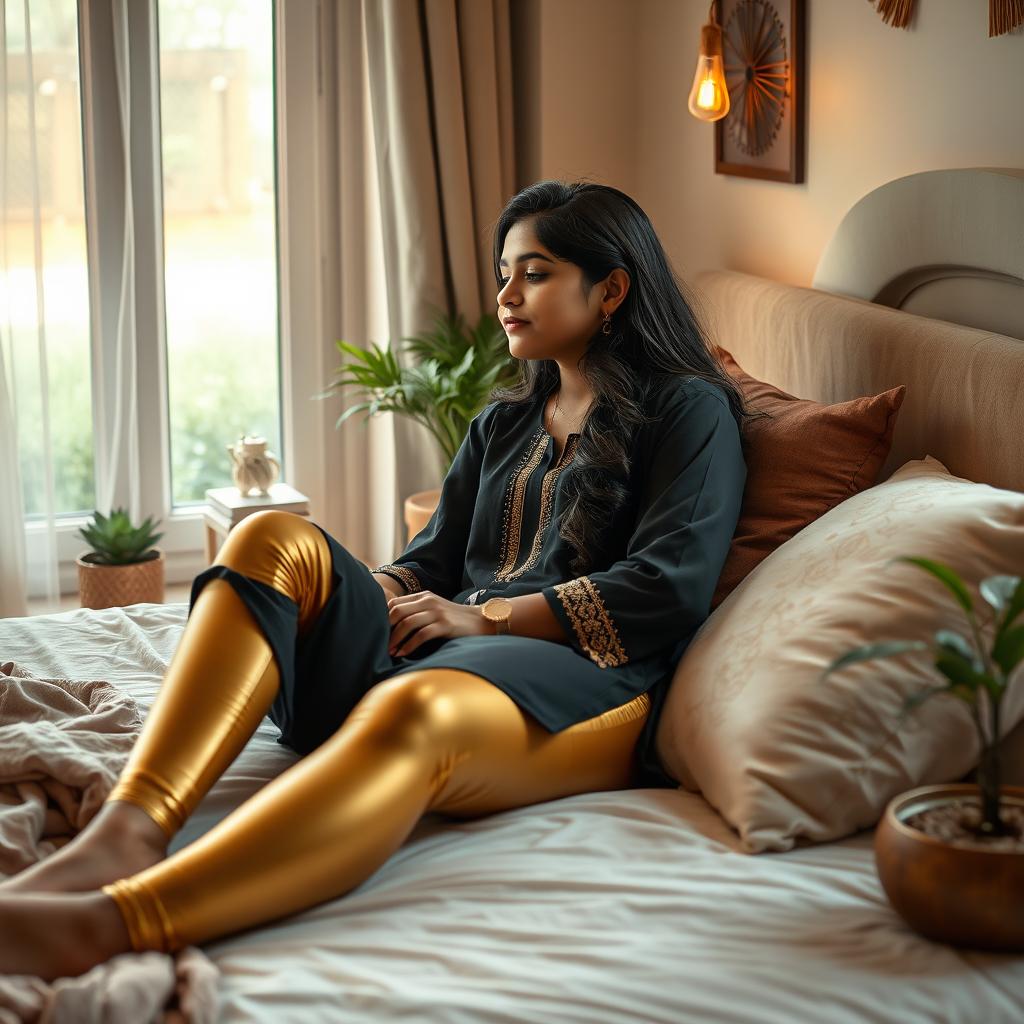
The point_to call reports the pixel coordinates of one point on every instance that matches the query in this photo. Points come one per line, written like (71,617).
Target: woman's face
(547,293)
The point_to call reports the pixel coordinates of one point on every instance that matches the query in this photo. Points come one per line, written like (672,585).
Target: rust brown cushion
(802,462)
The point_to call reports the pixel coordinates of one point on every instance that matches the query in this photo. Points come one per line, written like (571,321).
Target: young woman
(517,651)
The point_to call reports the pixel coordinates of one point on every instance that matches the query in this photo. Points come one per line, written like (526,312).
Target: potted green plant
(950,857)
(122,567)
(456,367)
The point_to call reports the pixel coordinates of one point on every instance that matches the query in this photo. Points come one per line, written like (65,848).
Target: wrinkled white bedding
(604,907)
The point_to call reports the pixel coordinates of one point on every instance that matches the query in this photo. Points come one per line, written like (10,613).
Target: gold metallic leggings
(437,739)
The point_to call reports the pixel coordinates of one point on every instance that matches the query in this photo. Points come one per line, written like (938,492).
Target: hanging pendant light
(709,97)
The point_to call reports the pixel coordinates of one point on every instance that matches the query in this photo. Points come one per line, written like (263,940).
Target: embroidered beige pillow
(786,759)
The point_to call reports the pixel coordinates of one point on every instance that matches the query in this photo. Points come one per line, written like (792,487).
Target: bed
(607,907)
(641,905)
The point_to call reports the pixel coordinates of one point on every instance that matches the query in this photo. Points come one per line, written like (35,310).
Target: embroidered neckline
(547,494)
(515,500)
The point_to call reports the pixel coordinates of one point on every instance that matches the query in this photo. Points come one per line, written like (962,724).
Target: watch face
(498,607)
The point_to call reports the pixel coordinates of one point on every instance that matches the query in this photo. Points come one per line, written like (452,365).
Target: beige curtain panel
(425,162)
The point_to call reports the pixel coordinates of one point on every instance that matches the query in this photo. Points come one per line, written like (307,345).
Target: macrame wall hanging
(1003,15)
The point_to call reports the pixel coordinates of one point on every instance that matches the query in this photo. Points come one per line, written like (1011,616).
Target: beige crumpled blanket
(63,743)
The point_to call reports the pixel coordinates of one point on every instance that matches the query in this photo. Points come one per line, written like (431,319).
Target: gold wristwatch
(499,611)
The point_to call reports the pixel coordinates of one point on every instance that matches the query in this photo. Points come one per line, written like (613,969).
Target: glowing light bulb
(709,97)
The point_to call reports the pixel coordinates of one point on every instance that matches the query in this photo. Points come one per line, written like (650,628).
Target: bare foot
(120,841)
(59,936)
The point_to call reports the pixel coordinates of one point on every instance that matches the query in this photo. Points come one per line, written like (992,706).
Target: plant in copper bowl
(455,367)
(950,857)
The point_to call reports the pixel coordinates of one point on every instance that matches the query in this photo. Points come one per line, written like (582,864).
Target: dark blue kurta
(628,621)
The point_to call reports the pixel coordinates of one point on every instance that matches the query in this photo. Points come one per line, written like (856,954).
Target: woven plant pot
(110,586)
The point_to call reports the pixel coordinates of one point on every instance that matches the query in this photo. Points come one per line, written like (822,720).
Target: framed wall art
(763,135)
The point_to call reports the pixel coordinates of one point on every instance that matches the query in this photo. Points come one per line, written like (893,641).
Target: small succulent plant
(116,542)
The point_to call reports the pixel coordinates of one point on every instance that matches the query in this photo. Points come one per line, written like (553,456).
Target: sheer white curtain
(12,536)
(12,533)
(31,548)
(13,548)
(118,472)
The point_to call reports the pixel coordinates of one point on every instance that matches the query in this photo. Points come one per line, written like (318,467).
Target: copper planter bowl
(964,896)
(109,586)
(419,507)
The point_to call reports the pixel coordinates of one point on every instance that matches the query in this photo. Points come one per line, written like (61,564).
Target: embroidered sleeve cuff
(580,608)
(405,576)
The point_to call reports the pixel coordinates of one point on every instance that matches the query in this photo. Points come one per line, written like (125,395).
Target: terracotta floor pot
(419,507)
(962,895)
(110,586)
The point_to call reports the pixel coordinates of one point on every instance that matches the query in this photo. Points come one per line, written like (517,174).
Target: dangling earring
(606,327)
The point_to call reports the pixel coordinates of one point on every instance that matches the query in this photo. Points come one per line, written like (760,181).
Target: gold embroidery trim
(406,577)
(591,622)
(515,496)
(547,492)
(628,712)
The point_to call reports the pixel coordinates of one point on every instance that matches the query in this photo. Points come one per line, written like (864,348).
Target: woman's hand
(416,618)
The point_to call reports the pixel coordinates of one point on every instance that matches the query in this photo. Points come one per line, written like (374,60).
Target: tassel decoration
(1004,16)
(895,12)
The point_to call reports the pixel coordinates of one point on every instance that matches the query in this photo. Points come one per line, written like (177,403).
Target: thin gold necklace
(551,428)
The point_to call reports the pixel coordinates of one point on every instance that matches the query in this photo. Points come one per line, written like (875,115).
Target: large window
(219,186)
(219,260)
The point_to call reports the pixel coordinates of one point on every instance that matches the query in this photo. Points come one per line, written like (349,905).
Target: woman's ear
(616,288)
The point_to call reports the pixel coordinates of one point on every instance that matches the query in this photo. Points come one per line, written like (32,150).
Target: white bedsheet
(604,907)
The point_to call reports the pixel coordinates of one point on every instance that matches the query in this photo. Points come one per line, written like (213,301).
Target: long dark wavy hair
(655,336)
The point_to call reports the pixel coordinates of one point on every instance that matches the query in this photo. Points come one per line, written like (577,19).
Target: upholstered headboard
(946,244)
(965,387)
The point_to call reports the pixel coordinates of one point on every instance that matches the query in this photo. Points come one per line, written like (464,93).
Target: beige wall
(577,90)
(608,84)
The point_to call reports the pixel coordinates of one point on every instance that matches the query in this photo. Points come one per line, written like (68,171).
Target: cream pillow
(786,759)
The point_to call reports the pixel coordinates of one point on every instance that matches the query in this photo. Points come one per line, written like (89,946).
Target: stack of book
(227,507)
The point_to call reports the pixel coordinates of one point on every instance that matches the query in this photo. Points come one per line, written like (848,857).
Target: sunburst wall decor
(762,136)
